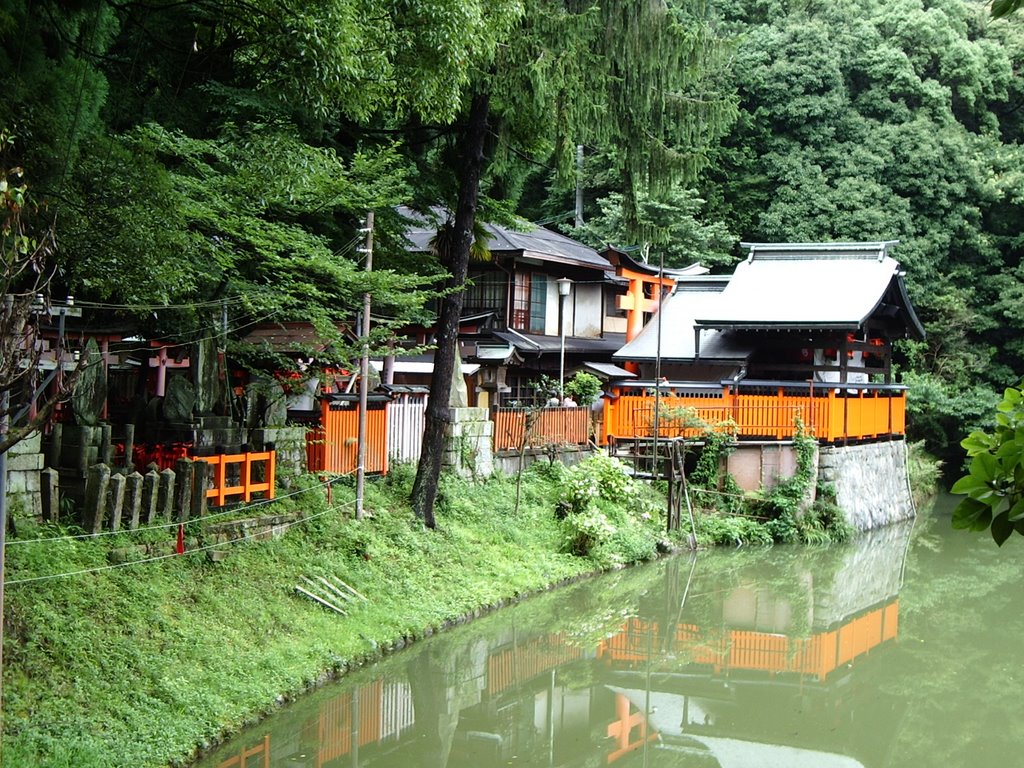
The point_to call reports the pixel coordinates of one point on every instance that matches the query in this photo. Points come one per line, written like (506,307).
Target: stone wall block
(871,483)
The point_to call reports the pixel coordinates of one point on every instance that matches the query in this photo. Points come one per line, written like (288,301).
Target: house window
(486,291)
(530,303)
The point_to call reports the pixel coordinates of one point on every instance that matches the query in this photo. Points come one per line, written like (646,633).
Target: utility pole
(5,402)
(364,375)
(579,186)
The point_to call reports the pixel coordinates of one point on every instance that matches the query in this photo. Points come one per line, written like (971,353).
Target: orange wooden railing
(513,666)
(547,426)
(769,411)
(246,484)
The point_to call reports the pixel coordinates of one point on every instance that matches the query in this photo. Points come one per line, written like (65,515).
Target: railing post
(271,473)
(830,416)
(779,410)
(221,479)
(247,476)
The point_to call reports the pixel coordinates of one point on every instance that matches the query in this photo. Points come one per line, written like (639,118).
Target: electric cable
(203,519)
(144,561)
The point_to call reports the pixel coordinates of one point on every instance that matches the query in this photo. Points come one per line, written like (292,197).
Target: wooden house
(799,334)
(544,304)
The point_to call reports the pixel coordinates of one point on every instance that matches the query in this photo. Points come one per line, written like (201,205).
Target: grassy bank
(138,664)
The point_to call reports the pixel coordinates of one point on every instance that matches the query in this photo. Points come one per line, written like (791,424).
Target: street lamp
(563,292)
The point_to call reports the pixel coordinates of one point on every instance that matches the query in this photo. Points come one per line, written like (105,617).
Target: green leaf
(977,442)
(1001,528)
(972,515)
(967,484)
(985,467)
(1017,511)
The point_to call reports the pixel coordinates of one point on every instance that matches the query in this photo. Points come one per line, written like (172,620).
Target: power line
(205,518)
(144,561)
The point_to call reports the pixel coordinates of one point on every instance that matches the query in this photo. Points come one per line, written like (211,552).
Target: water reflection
(730,659)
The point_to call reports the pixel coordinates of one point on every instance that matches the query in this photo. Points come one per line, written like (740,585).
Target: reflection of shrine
(775,664)
(725,650)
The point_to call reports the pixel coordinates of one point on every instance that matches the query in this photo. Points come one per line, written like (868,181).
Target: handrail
(766,410)
(247,486)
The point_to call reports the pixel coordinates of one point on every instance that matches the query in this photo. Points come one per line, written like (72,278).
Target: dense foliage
(876,120)
(219,153)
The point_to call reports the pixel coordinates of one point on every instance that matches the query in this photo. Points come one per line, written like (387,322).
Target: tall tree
(631,74)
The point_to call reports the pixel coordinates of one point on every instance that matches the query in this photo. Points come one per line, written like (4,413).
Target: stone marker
(150,496)
(165,499)
(200,473)
(49,492)
(95,497)
(183,469)
(133,499)
(115,499)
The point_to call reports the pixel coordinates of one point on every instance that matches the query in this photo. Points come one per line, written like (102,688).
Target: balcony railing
(760,410)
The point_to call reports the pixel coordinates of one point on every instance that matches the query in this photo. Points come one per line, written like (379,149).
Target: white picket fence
(406,416)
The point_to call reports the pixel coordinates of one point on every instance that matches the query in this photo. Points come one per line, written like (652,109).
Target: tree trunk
(456,261)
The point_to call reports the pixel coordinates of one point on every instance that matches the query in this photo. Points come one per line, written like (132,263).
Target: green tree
(27,246)
(626,73)
(872,120)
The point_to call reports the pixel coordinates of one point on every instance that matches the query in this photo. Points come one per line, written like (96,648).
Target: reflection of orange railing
(765,411)
(735,649)
(525,661)
(241,760)
(547,426)
(246,486)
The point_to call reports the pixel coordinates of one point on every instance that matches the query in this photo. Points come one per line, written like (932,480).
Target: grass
(139,665)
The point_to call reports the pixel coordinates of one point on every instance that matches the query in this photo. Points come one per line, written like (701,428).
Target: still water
(905,648)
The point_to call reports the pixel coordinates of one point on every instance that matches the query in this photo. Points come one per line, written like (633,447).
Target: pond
(899,649)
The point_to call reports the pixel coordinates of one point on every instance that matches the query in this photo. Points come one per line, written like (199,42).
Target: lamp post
(563,292)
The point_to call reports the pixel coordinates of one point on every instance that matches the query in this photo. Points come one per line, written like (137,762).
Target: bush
(606,515)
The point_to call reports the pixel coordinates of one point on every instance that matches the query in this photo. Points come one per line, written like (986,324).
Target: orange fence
(766,411)
(245,485)
(546,426)
(514,666)
(332,446)
(728,649)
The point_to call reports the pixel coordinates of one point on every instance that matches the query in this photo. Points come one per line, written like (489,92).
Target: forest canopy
(189,152)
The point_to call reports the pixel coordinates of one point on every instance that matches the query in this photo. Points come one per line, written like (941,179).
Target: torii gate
(647,285)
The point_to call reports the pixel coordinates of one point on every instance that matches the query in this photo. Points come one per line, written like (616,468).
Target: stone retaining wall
(24,462)
(870,482)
